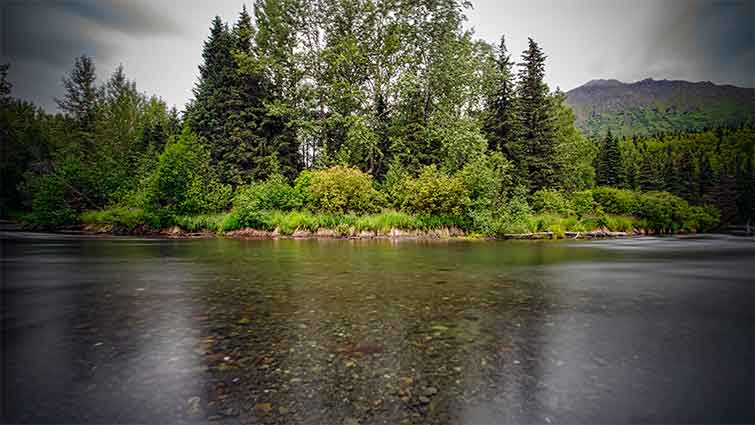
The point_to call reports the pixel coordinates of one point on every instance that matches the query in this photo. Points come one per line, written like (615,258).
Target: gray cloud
(160,42)
(41,38)
(704,40)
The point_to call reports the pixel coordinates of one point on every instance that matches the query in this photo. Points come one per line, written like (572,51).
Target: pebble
(193,407)
(263,407)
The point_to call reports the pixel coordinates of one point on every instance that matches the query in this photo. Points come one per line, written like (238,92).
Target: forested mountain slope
(655,106)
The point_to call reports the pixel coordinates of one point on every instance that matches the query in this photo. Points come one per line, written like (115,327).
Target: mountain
(652,106)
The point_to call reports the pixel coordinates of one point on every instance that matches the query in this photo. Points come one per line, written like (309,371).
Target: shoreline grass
(287,223)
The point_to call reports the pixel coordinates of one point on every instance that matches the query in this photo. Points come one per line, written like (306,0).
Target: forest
(356,116)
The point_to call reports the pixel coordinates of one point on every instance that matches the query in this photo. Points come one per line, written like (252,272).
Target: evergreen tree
(685,177)
(208,113)
(610,171)
(501,122)
(671,177)
(648,178)
(745,189)
(536,118)
(5,85)
(80,99)
(707,178)
(244,149)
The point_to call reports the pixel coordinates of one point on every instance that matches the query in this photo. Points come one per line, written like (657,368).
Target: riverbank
(176,232)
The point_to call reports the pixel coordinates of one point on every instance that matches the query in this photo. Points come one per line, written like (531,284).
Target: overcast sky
(159,42)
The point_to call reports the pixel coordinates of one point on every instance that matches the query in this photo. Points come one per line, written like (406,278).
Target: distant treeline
(712,166)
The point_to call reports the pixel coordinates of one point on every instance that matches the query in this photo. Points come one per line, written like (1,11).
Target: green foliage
(184,182)
(487,179)
(616,201)
(583,202)
(342,189)
(551,201)
(436,193)
(663,212)
(49,205)
(702,218)
(272,194)
(395,186)
(121,218)
(514,215)
(609,167)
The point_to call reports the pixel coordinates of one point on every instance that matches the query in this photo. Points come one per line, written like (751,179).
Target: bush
(583,203)
(184,183)
(49,204)
(342,189)
(486,178)
(616,201)
(395,185)
(272,194)
(301,189)
(514,215)
(663,212)
(550,201)
(617,223)
(702,219)
(435,193)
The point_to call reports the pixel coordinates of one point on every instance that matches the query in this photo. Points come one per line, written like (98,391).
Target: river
(139,330)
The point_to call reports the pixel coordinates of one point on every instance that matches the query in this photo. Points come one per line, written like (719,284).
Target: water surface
(126,330)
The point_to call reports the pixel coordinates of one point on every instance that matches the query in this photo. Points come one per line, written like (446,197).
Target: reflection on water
(344,332)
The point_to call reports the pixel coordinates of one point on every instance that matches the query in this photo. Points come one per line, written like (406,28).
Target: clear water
(127,330)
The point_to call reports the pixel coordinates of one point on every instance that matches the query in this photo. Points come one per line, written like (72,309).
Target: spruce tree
(5,85)
(745,189)
(610,168)
(244,146)
(80,98)
(501,122)
(706,180)
(208,113)
(685,177)
(536,118)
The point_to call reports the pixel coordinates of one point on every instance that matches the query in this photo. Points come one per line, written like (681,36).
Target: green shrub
(487,179)
(663,212)
(583,203)
(342,189)
(301,189)
(541,222)
(395,185)
(550,201)
(184,183)
(435,193)
(514,215)
(617,223)
(558,230)
(616,201)
(272,194)
(702,219)
(49,204)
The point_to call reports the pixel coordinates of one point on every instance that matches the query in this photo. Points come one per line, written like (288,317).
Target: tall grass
(344,224)
(202,222)
(121,217)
